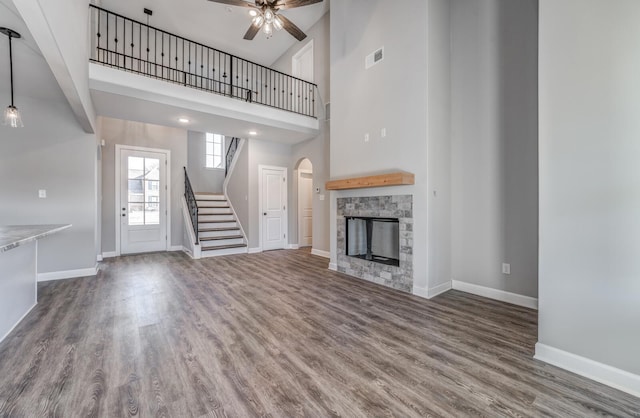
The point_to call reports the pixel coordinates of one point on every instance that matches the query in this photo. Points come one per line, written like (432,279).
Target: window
(214,151)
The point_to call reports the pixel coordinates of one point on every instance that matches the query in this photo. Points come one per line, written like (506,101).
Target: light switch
(383,132)
(321,197)
(42,194)
(366,137)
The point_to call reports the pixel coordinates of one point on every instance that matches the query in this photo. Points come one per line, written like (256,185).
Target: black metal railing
(190,196)
(130,45)
(231,152)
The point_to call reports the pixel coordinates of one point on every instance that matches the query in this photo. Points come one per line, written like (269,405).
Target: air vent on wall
(374,58)
(327,111)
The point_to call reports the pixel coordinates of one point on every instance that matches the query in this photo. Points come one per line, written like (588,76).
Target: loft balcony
(138,72)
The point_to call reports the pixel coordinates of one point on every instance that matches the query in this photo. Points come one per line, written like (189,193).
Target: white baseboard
(175,248)
(255,250)
(293,247)
(19,320)
(333,267)
(426,293)
(608,375)
(501,295)
(320,253)
(109,254)
(68,274)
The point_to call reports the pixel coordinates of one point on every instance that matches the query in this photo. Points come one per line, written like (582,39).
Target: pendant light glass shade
(12,117)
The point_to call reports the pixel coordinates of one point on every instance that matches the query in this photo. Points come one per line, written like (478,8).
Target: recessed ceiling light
(253,133)
(183,120)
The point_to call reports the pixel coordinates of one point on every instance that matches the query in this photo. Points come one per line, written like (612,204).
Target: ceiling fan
(265,16)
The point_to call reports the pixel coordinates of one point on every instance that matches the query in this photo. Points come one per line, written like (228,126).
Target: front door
(274,207)
(143,201)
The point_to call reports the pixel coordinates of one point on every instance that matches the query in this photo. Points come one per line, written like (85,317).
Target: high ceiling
(218,25)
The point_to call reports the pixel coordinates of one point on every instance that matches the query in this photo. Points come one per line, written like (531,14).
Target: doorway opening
(305,203)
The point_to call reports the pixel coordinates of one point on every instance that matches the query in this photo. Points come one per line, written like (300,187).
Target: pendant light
(11,114)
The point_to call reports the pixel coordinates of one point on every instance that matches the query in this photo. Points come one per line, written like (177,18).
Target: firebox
(373,239)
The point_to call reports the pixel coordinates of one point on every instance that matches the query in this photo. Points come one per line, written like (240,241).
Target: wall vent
(327,111)
(374,58)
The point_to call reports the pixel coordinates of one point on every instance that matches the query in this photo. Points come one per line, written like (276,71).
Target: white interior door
(274,207)
(143,201)
(305,208)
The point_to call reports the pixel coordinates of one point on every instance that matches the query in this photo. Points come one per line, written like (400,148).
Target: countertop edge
(21,241)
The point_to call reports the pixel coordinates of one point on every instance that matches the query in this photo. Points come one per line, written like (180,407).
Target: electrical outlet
(366,137)
(42,194)
(383,132)
(506,268)
(321,197)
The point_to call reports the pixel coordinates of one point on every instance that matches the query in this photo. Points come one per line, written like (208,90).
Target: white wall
(494,143)
(116,131)
(238,187)
(589,180)
(52,152)
(316,149)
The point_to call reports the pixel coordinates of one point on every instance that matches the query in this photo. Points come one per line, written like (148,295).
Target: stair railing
(133,46)
(231,152)
(190,197)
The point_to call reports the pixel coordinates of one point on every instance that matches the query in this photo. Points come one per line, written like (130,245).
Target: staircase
(218,230)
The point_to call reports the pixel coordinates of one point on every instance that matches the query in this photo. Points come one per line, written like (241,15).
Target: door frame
(285,198)
(118,190)
(300,173)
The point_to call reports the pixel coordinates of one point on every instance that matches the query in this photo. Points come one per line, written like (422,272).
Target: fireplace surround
(394,207)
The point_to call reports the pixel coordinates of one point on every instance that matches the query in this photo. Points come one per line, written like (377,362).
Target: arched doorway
(304,171)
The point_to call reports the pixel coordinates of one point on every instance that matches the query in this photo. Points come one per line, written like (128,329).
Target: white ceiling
(218,25)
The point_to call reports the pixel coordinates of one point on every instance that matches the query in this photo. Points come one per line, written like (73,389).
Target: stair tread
(221,238)
(218,229)
(214,207)
(217,222)
(223,247)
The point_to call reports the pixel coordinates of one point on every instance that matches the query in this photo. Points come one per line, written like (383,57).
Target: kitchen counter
(19,271)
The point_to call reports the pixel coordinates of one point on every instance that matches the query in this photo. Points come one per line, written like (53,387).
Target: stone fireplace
(382,249)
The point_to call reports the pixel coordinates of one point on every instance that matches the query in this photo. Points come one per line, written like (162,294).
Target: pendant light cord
(11,68)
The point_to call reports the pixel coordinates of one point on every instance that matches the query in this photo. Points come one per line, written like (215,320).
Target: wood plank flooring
(277,335)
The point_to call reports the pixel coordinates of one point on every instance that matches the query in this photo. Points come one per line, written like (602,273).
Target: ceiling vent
(374,58)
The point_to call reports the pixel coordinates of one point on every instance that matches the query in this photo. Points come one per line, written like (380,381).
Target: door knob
(124,214)
(265,214)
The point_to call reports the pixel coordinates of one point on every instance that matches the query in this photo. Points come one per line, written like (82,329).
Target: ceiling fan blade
(251,32)
(240,3)
(290,4)
(290,27)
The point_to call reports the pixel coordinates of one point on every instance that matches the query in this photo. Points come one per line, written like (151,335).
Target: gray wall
(494,143)
(51,152)
(116,131)
(262,153)
(202,179)
(589,178)
(316,149)
(394,94)
(238,187)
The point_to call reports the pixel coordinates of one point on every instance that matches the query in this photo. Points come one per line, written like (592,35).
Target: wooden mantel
(391,179)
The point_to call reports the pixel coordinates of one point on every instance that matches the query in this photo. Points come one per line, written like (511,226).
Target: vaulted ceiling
(218,25)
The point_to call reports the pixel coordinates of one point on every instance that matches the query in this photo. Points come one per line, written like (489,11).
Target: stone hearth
(399,206)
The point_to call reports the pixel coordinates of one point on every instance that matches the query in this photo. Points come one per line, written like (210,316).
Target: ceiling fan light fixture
(12,116)
(269,15)
(253,13)
(268,30)
(258,21)
(277,23)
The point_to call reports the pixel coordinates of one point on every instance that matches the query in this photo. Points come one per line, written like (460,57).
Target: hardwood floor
(278,335)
